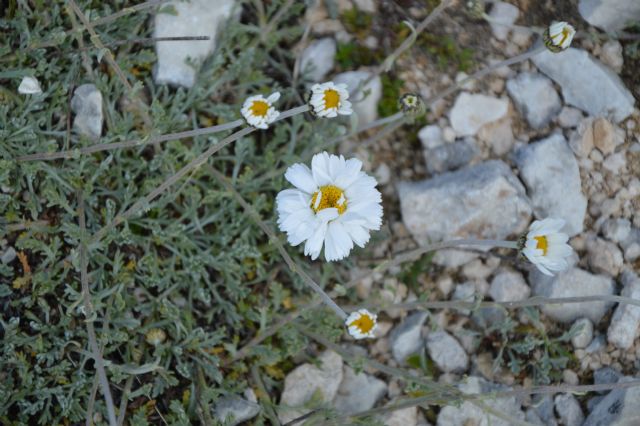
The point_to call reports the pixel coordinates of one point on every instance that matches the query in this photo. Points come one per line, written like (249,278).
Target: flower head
(259,111)
(558,36)
(330,99)
(412,104)
(334,204)
(29,86)
(361,324)
(546,247)
(155,336)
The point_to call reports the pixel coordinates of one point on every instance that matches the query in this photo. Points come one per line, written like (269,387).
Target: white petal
(299,175)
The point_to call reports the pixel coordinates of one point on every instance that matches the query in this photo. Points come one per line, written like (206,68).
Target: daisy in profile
(334,204)
(330,99)
(259,111)
(558,36)
(361,324)
(546,247)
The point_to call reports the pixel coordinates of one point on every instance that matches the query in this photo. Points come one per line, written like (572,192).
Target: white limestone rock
(609,15)
(535,97)
(178,61)
(472,111)
(87,106)
(307,380)
(550,172)
(574,282)
(318,59)
(481,201)
(586,83)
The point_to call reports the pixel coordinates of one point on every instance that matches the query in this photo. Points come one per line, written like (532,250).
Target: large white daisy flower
(558,36)
(334,204)
(259,111)
(361,324)
(546,247)
(330,99)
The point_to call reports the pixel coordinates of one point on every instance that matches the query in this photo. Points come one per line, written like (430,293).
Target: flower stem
(198,161)
(481,73)
(47,156)
(324,297)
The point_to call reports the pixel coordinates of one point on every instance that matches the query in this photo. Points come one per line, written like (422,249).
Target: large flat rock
(587,83)
(482,201)
(178,60)
(609,15)
(550,171)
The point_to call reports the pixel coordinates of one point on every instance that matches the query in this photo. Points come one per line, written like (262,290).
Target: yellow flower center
(259,108)
(329,196)
(543,244)
(365,323)
(331,98)
(564,35)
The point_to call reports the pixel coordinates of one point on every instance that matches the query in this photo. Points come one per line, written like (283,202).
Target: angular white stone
(469,414)
(358,392)
(535,97)
(29,86)
(318,58)
(509,287)
(482,201)
(550,171)
(573,282)
(626,318)
(307,380)
(87,105)
(471,112)
(609,15)
(586,83)
(504,15)
(446,352)
(194,18)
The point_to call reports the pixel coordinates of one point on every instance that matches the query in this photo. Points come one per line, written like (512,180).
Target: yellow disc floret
(331,99)
(543,244)
(259,108)
(364,323)
(329,196)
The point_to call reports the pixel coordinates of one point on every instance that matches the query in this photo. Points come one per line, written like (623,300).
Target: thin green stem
(48,156)
(383,266)
(198,161)
(481,73)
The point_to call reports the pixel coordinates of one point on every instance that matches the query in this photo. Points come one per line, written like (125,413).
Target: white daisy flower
(329,100)
(558,36)
(361,324)
(259,111)
(334,204)
(29,86)
(546,247)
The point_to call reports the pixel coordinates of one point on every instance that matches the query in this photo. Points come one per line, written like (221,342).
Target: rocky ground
(556,135)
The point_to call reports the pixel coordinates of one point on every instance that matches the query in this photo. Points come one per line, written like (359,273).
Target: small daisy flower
(334,204)
(558,36)
(412,104)
(259,111)
(546,247)
(155,336)
(29,86)
(361,324)
(330,99)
